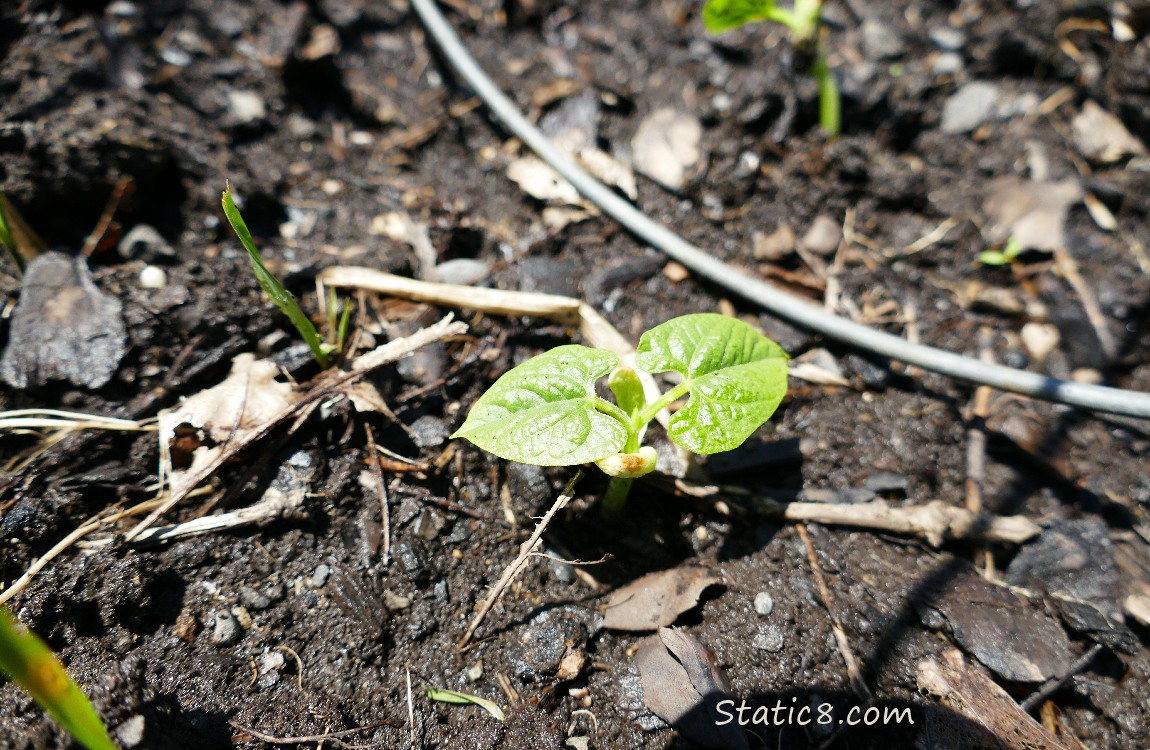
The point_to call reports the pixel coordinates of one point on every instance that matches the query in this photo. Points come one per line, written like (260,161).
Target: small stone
(886,482)
(475,672)
(1040,339)
(395,602)
(948,38)
(144,243)
(773,247)
(1100,136)
(131,732)
(153,277)
(429,524)
(764,604)
(881,41)
(667,145)
(465,271)
(947,64)
(429,431)
(824,236)
(675,272)
(969,107)
(317,579)
(770,638)
(246,107)
(269,661)
(253,599)
(226,629)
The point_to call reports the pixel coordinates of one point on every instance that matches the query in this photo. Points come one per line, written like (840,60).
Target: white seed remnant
(153,277)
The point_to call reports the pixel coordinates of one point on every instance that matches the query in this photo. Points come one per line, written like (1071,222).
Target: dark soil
(95,91)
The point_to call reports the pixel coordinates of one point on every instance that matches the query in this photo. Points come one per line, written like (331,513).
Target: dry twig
(858,684)
(526,551)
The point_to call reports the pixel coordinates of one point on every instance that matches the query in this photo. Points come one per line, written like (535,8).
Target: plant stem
(830,106)
(616,497)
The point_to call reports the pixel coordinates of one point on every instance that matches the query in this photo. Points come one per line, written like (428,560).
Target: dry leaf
(995,721)
(1031,212)
(683,685)
(226,413)
(657,599)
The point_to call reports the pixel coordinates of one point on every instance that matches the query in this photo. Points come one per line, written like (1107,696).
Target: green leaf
(994,258)
(33,666)
(545,411)
(450,696)
(724,15)
(736,377)
(273,288)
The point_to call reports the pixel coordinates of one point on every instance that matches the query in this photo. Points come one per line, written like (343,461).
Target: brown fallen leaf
(227,412)
(657,599)
(683,686)
(993,721)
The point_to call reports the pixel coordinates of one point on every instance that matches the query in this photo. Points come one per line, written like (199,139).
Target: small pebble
(131,732)
(764,604)
(226,629)
(246,107)
(881,41)
(770,638)
(429,431)
(1040,339)
(969,107)
(824,235)
(948,38)
(253,599)
(775,246)
(947,64)
(153,277)
(462,271)
(317,579)
(475,672)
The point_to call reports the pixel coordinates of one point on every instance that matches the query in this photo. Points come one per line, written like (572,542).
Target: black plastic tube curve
(775,301)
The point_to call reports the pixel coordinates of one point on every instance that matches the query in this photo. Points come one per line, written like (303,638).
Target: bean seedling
(803,21)
(546,411)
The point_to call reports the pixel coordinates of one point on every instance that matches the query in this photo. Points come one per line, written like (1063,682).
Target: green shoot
(6,236)
(546,411)
(803,21)
(450,696)
(282,298)
(1004,257)
(32,665)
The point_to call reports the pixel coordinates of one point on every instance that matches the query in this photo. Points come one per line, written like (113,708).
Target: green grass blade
(6,236)
(33,666)
(271,285)
(450,696)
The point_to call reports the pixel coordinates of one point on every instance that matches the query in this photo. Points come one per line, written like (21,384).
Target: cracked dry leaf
(225,413)
(981,715)
(1032,212)
(63,327)
(657,599)
(683,685)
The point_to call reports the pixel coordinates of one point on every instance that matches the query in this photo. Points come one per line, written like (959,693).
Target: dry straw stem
(526,552)
(934,522)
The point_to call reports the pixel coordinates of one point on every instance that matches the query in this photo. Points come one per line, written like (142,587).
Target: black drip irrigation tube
(778,303)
